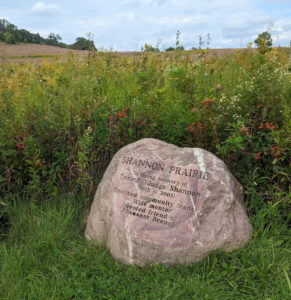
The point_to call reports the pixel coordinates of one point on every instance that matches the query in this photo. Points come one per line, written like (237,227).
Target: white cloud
(277,1)
(245,24)
(129,24)
(43,8)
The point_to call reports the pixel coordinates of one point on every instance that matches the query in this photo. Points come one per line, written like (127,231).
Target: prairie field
(64,115)
(33,53)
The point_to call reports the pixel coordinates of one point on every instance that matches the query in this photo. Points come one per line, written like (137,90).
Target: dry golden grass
(32,52)
(31,49)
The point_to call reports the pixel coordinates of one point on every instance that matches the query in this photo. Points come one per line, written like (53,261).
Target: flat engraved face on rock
(163,204)
(158,201)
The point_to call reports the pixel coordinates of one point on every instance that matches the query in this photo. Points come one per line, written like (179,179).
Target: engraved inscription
(157,192)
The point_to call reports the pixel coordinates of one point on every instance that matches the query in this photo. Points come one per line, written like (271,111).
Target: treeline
(9,33)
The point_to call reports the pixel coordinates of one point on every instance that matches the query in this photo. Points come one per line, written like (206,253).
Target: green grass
(47,257)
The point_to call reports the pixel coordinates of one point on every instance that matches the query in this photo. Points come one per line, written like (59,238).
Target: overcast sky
(129,24)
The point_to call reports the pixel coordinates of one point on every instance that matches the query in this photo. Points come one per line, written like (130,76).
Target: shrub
(61,122)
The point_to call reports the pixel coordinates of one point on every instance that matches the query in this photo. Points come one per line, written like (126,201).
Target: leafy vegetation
(83,44)
(149,48)
(61,123)
(264,42)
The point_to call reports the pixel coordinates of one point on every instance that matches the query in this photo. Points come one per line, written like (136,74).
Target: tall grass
(63,121)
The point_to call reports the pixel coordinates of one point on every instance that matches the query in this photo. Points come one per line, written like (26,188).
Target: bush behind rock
(61,123)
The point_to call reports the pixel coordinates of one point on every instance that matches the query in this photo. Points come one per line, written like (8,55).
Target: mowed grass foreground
(49,259)
(60,124)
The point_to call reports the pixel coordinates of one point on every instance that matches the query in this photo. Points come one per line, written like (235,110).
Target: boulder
(159,203)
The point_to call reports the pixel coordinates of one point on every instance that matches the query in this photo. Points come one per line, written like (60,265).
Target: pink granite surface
(163,204)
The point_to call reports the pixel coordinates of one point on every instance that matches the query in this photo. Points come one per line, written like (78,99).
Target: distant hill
(24,52)
(34,52)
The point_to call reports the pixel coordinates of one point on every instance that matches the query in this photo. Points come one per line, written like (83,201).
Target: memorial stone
(160,203)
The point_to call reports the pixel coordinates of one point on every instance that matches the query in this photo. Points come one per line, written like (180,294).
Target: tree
(9,33)
(264,42)
(11,28)
(170,49)
(180,48)
(3,25)
(53,39)
(83,44)
(25,36)
(37,39)
(9,38)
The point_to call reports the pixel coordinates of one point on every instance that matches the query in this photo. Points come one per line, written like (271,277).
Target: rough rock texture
(163,204)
